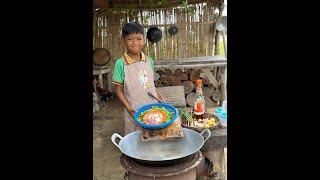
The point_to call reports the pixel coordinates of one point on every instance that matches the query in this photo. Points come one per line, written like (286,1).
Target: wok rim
(165,159)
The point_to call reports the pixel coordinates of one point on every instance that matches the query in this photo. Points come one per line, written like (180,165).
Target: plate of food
(209,121)
(156,115)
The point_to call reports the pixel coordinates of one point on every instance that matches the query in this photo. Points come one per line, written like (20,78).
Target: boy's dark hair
(131,27)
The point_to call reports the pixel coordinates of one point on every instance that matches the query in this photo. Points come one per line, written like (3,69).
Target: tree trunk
(164,78)
(184,76)
(207,92)
(178,72)
(161,72)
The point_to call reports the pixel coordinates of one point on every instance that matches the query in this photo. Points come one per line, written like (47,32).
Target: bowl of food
(209,121)
(156,115)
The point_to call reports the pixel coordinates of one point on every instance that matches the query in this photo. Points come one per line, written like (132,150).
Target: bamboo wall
(195,37)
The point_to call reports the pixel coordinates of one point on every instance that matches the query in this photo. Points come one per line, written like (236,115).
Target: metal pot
(162,150)
(173,30)
(154,34)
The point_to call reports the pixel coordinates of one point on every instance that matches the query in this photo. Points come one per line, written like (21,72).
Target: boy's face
(134,42)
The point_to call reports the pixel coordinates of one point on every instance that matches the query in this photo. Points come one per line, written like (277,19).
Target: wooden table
(101,72)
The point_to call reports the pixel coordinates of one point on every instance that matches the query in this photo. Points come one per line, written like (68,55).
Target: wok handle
(114,137)
(206,131)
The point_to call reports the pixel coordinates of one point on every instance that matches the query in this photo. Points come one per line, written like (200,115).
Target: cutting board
(172,131)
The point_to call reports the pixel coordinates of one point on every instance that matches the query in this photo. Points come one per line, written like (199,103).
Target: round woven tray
(199,129)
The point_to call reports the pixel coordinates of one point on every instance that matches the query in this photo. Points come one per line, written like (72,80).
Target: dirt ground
(106,156)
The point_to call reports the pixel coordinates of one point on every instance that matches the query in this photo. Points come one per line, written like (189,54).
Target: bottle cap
(198,82)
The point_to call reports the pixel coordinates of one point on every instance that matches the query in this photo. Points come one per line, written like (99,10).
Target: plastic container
(224,105)
(223,119)
(218,111)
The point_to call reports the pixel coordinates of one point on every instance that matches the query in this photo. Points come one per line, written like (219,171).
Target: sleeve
(118,73)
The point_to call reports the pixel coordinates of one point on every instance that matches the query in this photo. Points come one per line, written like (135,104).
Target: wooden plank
(102,71)
(173,95)
(205,59)
(193,65)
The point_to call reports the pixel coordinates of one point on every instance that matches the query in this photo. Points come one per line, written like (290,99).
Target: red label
(199,107)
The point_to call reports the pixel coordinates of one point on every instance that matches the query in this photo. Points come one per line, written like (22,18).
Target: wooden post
(100,80)
(223,85)
(109,79)
(217,46)
(94,28)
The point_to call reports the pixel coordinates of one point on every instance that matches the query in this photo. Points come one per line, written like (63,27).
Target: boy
(133,79)
(133,75)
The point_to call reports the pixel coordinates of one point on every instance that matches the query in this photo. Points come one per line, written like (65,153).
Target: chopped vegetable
(155,115)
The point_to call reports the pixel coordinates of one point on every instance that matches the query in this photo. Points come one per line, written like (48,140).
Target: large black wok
(162,150)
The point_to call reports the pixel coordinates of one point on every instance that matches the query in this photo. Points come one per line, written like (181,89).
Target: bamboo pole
(224,43)
(217,44)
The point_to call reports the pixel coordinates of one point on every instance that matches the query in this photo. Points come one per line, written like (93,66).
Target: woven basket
(199,129)
(101,56)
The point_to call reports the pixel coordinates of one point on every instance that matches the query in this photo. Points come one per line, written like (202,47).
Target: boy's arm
(123,99)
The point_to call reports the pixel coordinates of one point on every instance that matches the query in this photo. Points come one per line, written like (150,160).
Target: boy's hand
(131,112)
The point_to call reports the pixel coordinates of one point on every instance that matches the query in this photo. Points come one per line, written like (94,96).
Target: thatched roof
(142,3)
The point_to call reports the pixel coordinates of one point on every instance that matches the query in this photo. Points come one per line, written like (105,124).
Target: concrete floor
(106,156)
